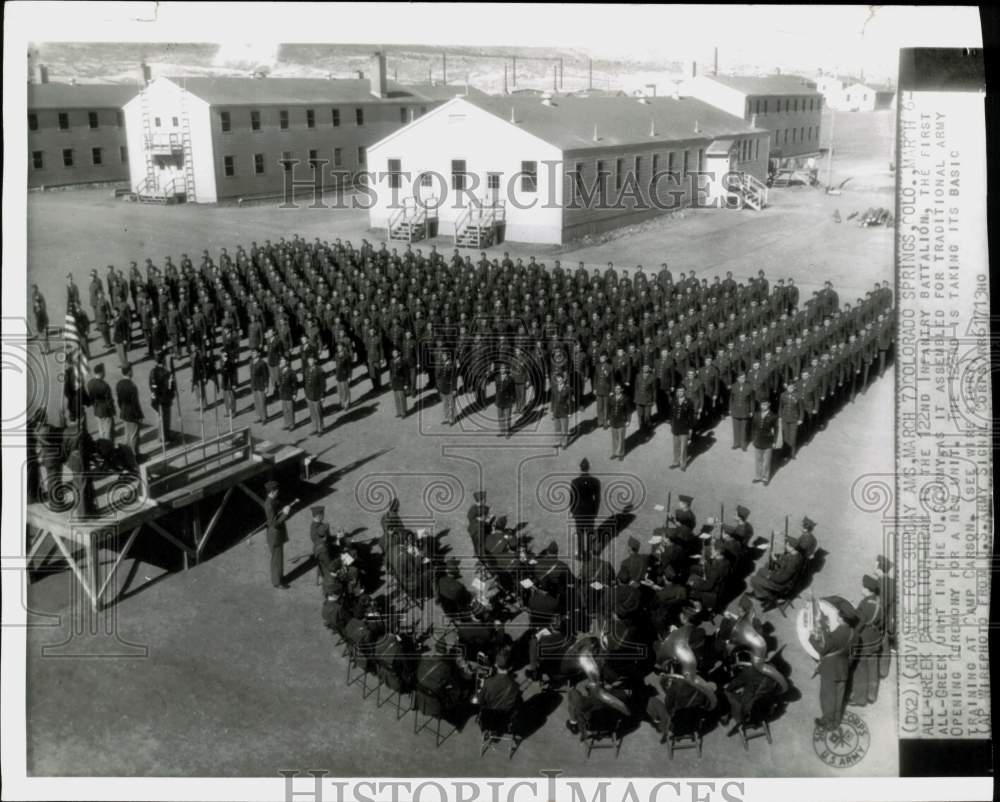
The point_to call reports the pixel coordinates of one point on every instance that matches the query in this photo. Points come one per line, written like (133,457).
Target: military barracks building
(789,106)
(207,139)
(526,169)
(76,133)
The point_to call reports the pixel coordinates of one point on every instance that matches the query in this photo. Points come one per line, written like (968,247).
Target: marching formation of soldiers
(650,346)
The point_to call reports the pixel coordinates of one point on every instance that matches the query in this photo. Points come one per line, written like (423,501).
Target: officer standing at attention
(319,534)
(585,502)
(277,534)
(834,649)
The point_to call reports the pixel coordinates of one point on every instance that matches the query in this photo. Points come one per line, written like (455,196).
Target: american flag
(76,356)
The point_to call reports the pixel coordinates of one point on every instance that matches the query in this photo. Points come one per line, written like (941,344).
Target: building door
(493,189)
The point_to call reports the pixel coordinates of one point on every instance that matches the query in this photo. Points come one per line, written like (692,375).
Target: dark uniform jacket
(100,396)
(128,400)
(500,692)
(277,532)
(765,428)
(619,411)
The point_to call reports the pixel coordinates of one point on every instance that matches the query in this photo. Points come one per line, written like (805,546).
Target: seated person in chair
(439,676)
(780,576)
(452,594)
(500,691)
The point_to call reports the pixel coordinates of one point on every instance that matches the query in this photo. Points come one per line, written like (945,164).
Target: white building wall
(163,101)
(461,130)
(716,94)
(859,97)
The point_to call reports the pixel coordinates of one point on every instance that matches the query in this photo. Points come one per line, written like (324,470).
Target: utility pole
(513,69)
(444,69)
(829,154)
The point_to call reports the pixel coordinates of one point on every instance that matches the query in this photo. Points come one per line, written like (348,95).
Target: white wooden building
(550,169)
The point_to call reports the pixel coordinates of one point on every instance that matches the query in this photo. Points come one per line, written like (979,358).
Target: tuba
(746,636)
(678,649)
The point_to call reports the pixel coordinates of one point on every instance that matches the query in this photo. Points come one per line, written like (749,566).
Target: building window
(361,157)
(802,134)
(638,167)
(458,174)
(254,120)
(37,159)
(157,122)
(427,179)
(67,157)
(793,136)
(338,157)
(229,166)
(687,163)
(786,137)
(32,122)
(578,181)
(529,176)
(286,160)
(619,169)
(92,119)
(63,121)
(97,156)
(335,114)
(283,119)
(258,164)
(359,116)
(224,122)
(701,160)
(314,158)
(756,109)
(671,164)
(123,154)
(795,105)
(120,118)
(395,178)
(756,149)
(402,115)
(493,181)
(310,118)
(656,163)
(602,184)
(423,110)
(175,122)
(765,105)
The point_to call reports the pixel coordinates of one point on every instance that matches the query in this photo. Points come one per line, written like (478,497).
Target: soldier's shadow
(608,529)
(536,710)
(700,444)
(357,413)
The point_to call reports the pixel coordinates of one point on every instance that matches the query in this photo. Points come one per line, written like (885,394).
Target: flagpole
(177,395)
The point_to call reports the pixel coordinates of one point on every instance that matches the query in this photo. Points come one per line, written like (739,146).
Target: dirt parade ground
(210,671)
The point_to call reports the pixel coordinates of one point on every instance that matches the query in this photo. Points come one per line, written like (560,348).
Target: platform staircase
(478,226)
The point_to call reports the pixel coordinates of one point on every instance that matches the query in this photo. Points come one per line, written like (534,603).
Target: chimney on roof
(505,89)
(378,80)
(555,77)
(590,74)
(41,74)
(652,127)
(145,73)
(466,84)
(697,127)
(694,68)
(715,62)
(596,137)
(444,69)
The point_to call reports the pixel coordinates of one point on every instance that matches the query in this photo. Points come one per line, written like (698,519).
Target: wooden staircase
(146,192)
(408,224)
(477,227)
(753,192)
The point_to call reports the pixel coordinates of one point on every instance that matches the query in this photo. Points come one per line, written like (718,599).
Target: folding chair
(757,723)
(428,705)
(355,660)
(398,688)
(497,726)
(686,728)
(601,725)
